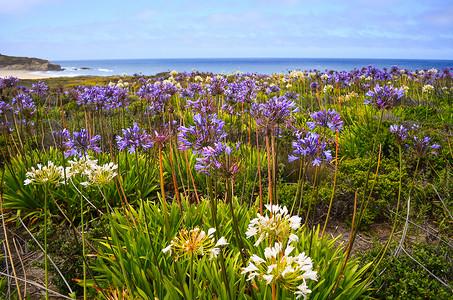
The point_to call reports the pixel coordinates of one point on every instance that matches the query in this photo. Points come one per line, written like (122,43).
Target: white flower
(268,278)
(167,249)
(302,290)
(221,242)
(256,259)
(250,268)
(214,252)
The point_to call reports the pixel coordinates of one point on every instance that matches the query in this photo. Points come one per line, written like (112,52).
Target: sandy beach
(21,74)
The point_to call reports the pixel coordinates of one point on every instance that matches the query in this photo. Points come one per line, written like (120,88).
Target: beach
(21,74)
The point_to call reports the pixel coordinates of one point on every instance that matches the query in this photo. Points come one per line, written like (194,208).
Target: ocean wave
(105,70)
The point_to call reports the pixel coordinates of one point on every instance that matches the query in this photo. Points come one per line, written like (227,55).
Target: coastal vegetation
(228,186)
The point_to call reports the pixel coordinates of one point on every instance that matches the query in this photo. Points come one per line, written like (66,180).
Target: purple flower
(4,107)
(312,148)
(60,138)
(219,160)
(134,137)
(6,127)
(39,89)
(206,131)
(326,118)
(24,104)
(80,143)
(400,133)
(314,85)
(8,82)
(277,110)
(384,97)
(422,146)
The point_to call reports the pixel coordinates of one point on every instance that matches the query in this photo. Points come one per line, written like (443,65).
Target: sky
(80,29)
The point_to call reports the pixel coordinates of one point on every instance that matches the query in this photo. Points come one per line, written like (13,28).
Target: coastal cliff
(27,63)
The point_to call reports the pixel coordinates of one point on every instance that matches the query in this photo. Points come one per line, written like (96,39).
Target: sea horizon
(152,66)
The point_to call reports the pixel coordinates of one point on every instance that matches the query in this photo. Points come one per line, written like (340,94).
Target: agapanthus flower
(79,165)
(277,225)
(427,89)
(311,148)
(24,104)
(195,242)
(206,131)
(81,142)
(279,267)
(326,118)
(314,85)
(4,107)
(45,174)
(219,161)
(400,133)
(384,97)
(100,175)
(6,127)
(7,82)
(39,88)
(275,111)
(134,138)
(60,138)
(422,146)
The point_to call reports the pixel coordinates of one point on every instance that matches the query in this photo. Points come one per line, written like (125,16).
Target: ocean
(230,65)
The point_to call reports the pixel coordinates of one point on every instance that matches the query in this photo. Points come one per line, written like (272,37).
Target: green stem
(164,202)
(217,233)
(45,245)
(83,249)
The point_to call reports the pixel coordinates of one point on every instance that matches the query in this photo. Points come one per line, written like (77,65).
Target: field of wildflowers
(213,186)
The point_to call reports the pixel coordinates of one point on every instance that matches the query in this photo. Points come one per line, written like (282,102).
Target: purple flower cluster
(102,97)
(156,96)
(314,86)
(4,107)
(39,89)
(400,133)
(6,127)
(201,105)
(24,104)
(384,97)
(217,86)
(219,160)
(80,143)
(326,119)
(312,148)
(8,82)
(206,131)
(275,111)
(422,146)
(134,138)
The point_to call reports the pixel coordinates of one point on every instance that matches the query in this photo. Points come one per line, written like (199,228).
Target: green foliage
(132,259)
(403,278)
(28,200)
(352,178)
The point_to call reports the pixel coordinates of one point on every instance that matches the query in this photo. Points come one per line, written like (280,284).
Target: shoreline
(23,74)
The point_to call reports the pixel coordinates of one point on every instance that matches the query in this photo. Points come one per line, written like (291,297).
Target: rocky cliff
(27,63)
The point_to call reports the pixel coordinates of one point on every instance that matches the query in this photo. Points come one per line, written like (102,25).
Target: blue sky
(80,29)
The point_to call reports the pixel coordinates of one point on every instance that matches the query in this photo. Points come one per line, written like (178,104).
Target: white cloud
(22,7)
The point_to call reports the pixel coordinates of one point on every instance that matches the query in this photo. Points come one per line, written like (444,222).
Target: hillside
(27,63)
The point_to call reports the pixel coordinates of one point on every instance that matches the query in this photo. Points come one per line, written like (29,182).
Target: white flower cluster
(278,225)
(83,167)
(327,89)
(195,242)
(291,272)
(45,174)
(427,89)
(90,170)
